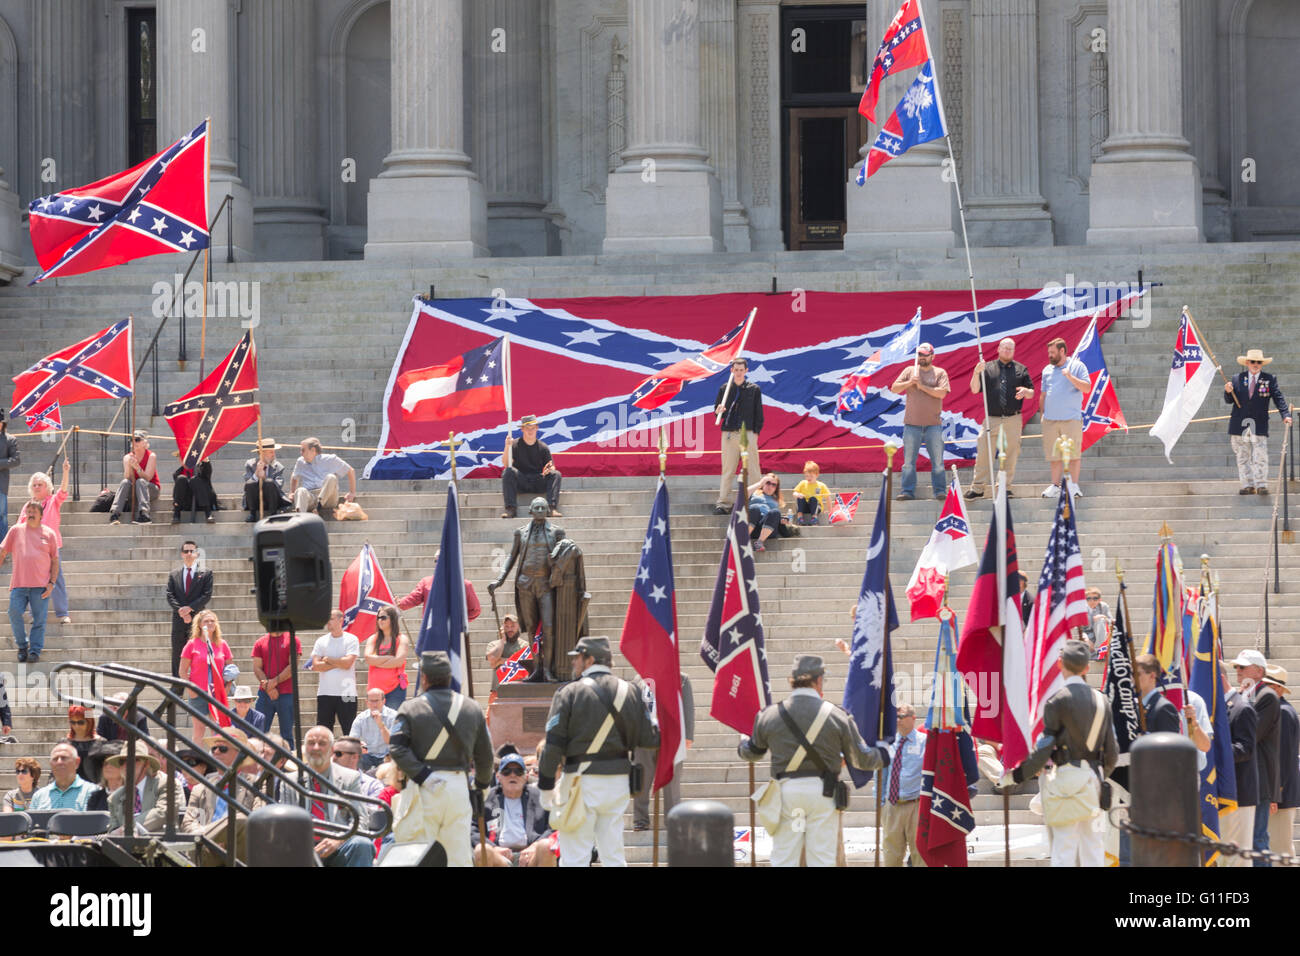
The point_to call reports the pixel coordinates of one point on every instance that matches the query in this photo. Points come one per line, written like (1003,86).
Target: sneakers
(65,620)
(33,658)
(1051,491)
(1075,491)
(211,519)
(972,493)
(115,517)
(142,518)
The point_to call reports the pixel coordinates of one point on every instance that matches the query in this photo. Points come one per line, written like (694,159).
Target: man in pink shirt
(421,594)
(36,567)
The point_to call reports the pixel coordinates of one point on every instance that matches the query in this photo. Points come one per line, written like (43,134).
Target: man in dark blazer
(1238,826)
(1249,393)
(189,590)
(1161,714)
(1282,821)
(1251,671)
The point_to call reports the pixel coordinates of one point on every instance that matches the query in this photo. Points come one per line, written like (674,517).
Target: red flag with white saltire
(660,387)
(1059,606)
(845,507)
(902,48)
(998,680)
(950,547)
(47,419)
(221,407)
(514,668)
(363,593)
(158,206)
(944,818)
(96,367)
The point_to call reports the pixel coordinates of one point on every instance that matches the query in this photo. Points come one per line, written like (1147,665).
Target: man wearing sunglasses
(518,829)
(189,589)
(347,754)
(1249,393)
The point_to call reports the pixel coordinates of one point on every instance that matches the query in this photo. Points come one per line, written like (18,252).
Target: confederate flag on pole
(221,407)
(902,48)
(363,593)
(159,206)
(1101,411)
(47,419)
(659,388)
(97,367)
(950,547)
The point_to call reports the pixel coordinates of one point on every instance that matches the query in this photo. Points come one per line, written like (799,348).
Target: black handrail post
(1277,571)
(103,461)
(156,411)
(180,298)
(171,771)
(230,234)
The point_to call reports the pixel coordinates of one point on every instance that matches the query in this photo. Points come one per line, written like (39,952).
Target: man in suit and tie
(151,793)
(1249,393)
(1251,670)
(189,590)
(1237,826)
(1281,820)
(1161,714)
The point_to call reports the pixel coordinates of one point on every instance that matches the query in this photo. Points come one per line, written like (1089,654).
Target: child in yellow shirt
(811,495)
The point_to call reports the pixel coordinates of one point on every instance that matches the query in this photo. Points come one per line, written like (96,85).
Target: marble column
(509,140)
(718,113)
(196,56)
(11,232)
(759,99)
(1145,187)
(280,91)
(1004,203)
(1201,113)
(427,201)
(907,202)
(63,96)
(665,197)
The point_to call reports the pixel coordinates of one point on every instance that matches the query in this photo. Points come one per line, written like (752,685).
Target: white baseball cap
(1250,658)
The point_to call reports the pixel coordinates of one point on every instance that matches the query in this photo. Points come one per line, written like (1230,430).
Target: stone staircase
(348,318)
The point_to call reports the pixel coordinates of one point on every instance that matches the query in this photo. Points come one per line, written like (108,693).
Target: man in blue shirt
(68,790)
(901,799)
(1065,383)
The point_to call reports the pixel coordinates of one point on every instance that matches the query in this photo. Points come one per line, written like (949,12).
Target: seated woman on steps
(765,504)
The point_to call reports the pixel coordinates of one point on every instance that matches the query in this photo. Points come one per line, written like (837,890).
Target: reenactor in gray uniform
(1079,739)
(809,738)
(435,738)
(594,724)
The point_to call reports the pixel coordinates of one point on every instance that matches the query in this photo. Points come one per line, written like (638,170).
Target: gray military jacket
(837,740)
(417,727)
(1067,718)
(577,712)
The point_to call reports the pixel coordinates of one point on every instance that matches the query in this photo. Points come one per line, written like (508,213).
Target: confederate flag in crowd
(363,593)
(902,48)
(97,367)
(219,409)
(663,385)
(950,547)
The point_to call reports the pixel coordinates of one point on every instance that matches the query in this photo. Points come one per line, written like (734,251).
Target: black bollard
(701,833)
(1166,796)
(280,835)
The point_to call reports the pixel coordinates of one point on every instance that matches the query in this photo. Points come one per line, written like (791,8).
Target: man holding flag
(1006,386)
(1249,393)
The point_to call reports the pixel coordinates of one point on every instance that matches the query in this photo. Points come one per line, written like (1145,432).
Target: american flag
(47,419)
(219,408)
(1059,606)
(97,367)
(363,593)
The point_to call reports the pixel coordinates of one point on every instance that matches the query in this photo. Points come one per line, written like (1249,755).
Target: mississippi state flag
(97,367)
(1190,376)
(158,206)
(944,818)
(47,419)
(853,393)
(663,386)
(917,119)
(649,640)
(363,592)
(219,409)
(902,48)
(1101,411)
(467,385)
(845,507)
(733,635)
(950,547)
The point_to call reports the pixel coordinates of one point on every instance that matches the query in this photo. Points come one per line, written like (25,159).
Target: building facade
(416,129)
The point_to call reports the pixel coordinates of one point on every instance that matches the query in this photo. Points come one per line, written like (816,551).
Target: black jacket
(198,596)
(744,407)
(1288,738)
(1267,706)
(9,459)
(1162,715)
(1255,408)
(1067,718)
(536,820)
(1242,721)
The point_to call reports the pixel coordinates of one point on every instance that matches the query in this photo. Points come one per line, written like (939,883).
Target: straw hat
(1253,355)
(119,760)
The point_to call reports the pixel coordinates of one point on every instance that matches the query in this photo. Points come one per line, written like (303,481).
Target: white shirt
(512,833)
(335,682)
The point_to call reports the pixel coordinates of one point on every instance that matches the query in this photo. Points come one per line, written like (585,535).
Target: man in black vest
(1007,384)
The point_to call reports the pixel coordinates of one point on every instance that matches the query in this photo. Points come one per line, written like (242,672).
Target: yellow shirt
(814,489)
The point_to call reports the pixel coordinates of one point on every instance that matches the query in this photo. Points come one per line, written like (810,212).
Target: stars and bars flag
(667,383)
(1219,778)
(1059,606)
(733,646)
(469,384)
(902,47)
(96,367)
(950,547)
(363,592)
(446,615)
(845,508)
(158,206)
(514,669)
(1190,376)
(917,119)
(1101,411)
(47,419)
(649,640)
(869,688)
(219,408)
(991,653)
(901,348)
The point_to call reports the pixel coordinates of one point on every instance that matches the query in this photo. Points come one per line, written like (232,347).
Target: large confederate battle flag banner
(575,364)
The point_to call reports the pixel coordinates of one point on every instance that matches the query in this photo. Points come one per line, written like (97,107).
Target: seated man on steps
(531,470)
(139,469)
(266,471)
(315,481)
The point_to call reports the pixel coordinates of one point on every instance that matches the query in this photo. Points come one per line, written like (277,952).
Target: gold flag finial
(1166,532)
(1002,448)
(663,450)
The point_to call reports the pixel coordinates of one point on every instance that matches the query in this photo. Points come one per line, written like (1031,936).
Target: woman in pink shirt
(39,488)
(386,653)
(202,661)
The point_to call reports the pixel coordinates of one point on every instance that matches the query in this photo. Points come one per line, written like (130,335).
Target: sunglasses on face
(220,749)
(78,723)
(513,771)
(21,770)
(188,551)
(347,753)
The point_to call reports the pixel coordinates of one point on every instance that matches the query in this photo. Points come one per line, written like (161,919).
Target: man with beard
(925,385)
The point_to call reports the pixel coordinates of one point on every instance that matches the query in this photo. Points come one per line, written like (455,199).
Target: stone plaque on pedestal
(519,715)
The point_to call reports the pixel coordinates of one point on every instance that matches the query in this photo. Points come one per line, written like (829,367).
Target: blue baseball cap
(515,759)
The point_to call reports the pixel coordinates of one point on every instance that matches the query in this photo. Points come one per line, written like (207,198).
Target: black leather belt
(798,774)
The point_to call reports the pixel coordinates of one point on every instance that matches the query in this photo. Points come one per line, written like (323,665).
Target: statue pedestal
(519,715)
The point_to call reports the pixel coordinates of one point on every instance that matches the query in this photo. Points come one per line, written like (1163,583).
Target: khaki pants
(1011,426)
(605,796)
(1252,460)
(1071,428)
(898,832)
(731,458)
(447,816)
(327,496)
(1237,827)
(1280,835)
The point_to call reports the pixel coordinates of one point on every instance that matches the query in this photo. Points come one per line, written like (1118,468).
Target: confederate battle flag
(222,406)
(363,593)
(97,367)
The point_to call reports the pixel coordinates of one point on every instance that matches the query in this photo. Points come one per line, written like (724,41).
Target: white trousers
(1080,844)
(1237,827)
(1252,460)
(447,815)
(819,835)
(1280,835)
(606,797)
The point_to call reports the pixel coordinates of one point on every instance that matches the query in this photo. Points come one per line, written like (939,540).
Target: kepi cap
(597,647)
(435,665)
(808,665)
(1075,653)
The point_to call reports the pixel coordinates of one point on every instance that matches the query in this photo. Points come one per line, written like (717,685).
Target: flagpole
(207,185)
(1217,367)
(1000,509)
(257,455)
(654,829)
(508,457)
(886,665)
(203,325)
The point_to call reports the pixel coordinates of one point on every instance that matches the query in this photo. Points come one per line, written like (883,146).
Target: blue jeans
(60,595)
(395,698)
(355,851)
(1260,839)
(283,706)
(4,514)
(914,436)
(20,599)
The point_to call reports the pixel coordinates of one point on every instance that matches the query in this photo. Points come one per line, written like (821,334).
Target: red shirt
(276,658)
(421,594)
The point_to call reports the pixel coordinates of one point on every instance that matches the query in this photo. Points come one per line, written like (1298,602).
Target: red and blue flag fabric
(661,387)
(950,547)
(469,384)
(917,119)
(1219,778)
(901,348)
(218,409)
(575,361)
(845,508)
(514,669)
(1190,375)
(96,367)
(1101,411)
(446,616)
(902,48)
(363,593)
(869,689)
(156,207)
(733,645)
(47,419)
(649,640)
(944,818)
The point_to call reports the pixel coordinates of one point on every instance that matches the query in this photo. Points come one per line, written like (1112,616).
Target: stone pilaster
(759,99)
(1145,187)
(427,201)
(11,232)
(665,197)
(1004,204)
(1201,114)
(63,95)
(279,89)
(718,113)
(195,51)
